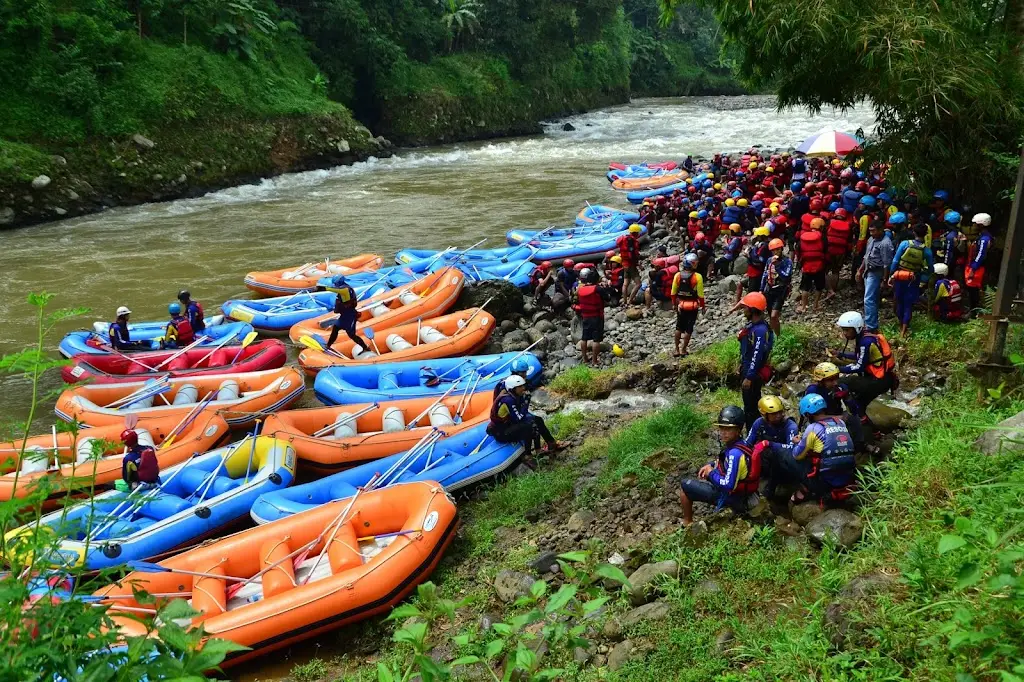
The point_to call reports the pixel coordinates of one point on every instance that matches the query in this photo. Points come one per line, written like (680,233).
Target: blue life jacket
(835,465)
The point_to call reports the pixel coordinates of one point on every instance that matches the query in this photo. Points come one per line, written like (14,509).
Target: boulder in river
(41,182)
(568,127)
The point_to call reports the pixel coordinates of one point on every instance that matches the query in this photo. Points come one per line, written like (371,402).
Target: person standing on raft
(348,316)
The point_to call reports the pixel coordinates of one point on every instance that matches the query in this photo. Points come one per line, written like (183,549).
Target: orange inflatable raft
(239,398)
(305,277)
(652,182)
(460,333)
(274,585)
(331,438)
(428,297)
(93,456)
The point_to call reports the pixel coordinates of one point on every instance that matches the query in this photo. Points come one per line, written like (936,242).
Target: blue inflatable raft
(277,315)
(454,462)
(512,253)
(217,329)
(196,499)
(347,385)
(639,196)
(595,213)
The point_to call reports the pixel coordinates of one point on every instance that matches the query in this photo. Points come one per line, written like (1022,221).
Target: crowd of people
(768,218)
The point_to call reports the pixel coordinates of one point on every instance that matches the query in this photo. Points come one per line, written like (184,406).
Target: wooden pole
(1009,278)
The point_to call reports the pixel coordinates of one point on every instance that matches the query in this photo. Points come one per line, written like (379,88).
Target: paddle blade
(311,343)
(147,567)
(249,338)
(369,333)
(131,421)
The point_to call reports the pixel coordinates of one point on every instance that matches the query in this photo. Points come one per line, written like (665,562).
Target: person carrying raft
(511,421)
(348,316)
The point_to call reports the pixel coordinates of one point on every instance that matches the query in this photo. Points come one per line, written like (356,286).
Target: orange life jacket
(812,251)
(839,232)
(589,303)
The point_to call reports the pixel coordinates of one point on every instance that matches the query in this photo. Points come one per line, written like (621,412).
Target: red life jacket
(184,334)
(748,484)
(805,220)
(614,275)
(148,467)
(812,251)
(589,303)
(954,310)
(839,232)
(692,228)
(666,282)
(629,249)
(756,259)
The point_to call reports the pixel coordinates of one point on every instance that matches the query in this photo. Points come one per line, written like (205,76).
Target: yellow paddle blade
(311,343)
(249,338)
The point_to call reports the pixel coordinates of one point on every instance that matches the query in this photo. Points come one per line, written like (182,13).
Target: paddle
(419,324)
(463,325)
(126,357)
(370,334)
(150,567)
(412,423)
(187,420)
(159,391)
(220,345)
(252,451)
(143,391)
(247,341)
(313,344)
(512,359)
(183,350)
(334,534)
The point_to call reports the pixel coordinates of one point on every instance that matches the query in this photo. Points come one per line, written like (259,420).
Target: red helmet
(691,189)
(861,186)
(546,265)
(758,196)
(841,213)
(609,253)
(815,204)
(755,300)
(831,189)
(809,187)
(129,437)
(568,263)
(579,266)
(873,191)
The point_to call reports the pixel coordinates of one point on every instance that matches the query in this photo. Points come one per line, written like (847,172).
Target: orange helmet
(755,300)
(776,244)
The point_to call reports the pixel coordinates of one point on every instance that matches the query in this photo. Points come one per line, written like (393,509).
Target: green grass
(796,344)
(566,424)
(931,342)
(310,671)
(671,434)
(586,383)
(21,162)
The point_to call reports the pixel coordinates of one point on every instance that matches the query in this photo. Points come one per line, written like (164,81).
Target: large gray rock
(505,298)
(515,341)
(581,520)
(846,527)
(41,182)
(885,418)
(535,336)
(143,142)
(1002,436)
(727,285)
(6,215)
(739,266)
(545,326)
(658,610)
(804,513)
(643,580)
(510,585)
(619,655)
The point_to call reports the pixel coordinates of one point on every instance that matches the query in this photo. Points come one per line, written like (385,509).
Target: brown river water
(426,198)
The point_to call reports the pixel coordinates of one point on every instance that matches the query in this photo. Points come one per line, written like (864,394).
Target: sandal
(798,497)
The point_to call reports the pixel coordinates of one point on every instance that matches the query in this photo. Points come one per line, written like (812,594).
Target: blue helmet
(737,194)
(867,200)
(707,184)
(884,196)
(796,186)
(740,174)
(941,195)
(898,219)
(861,175)
(174,309)
(702,214)
(757,205)
(952,218)
(811,404)
(833,206)
(520,365)
(684,200)
(338,280)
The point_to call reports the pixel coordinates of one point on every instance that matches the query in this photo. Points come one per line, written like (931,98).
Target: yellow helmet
(634,229)
(616,259)
(742,203)
(718,185)
(837,162)
(617,351)
(762,232)
(769,169)
(689,181)
(753,165)
(730,202)
(711,176)
(693,214)
(825,370)
(774,208)
(770,404)
(735,227)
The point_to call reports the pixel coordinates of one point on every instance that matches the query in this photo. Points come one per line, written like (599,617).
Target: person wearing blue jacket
(511,421)
(756,342)
(733,248)
(839,401)
(773,425)
(730,480)
(775,282)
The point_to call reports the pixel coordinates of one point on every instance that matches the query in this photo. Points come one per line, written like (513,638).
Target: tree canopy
(943,77)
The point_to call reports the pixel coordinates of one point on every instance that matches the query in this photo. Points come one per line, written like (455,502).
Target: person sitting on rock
(773,425)
(839,402)
(565,278)
(541,280)
(947,296)
(511,421)
(822,461)
(872,368)
(732,479)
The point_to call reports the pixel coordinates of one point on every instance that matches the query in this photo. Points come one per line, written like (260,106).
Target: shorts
(659,295)
(633,272)
(835,262)
(593,329)
(346,320)
(776,298)
(812,281)
(704,491)
(685,320)
(752,283)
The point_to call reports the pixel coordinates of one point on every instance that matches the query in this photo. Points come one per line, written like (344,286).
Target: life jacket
(812,250)
(851,200)
(508,399)
(666,282)
(839,232)
(732,214)
(181,330)
(884,364)
(971,231)
(799,166)
(614,274)
(118,334)
(692,228)
(756,259)
(913,257)
(835,465)
(806,218)
(199,316)
(686,291)
(536,276)
(954,309)
(149,467)
(629,249)
(746,481)
(772,270)
(589,303)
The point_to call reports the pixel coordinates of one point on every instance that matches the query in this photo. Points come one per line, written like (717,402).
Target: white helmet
(514,381)
(851,320)
(941,269)
(123,310)
(982,219)
(691,260)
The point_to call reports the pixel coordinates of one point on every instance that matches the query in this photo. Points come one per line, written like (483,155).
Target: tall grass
(673,432)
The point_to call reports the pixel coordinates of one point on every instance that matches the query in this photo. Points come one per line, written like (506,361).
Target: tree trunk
(1013,24)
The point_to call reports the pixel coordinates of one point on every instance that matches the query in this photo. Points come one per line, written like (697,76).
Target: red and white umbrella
(829,143)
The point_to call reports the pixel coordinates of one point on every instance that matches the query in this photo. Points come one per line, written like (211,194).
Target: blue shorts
(705,491)
(346,320)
